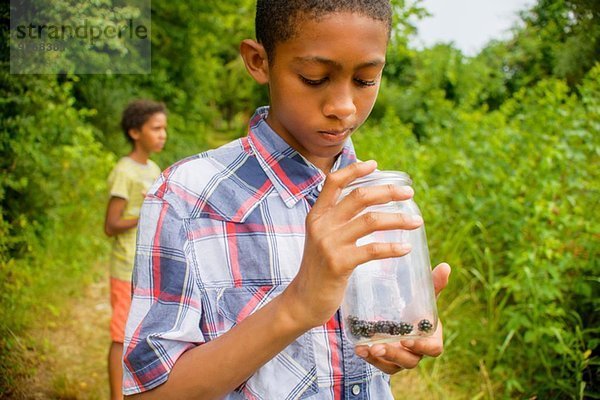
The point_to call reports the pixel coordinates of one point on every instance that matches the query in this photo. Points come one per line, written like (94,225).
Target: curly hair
(137,113)
(276,20)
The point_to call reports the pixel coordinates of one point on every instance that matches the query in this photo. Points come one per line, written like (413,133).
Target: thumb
(440,276)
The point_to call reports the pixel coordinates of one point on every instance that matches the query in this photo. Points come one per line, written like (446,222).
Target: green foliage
(104,54)
(560,38)
(51,204)
(196,71)
(48,150)
(509,197)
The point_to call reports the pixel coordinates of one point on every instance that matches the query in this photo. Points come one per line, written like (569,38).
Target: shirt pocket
(291,374)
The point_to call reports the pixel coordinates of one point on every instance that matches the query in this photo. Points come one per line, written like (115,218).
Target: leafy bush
(51,204)
(509,198)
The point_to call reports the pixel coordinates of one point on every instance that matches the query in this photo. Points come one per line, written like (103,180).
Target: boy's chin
(330,153)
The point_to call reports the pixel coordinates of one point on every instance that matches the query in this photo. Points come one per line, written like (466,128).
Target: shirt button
(356,390)
(320,186)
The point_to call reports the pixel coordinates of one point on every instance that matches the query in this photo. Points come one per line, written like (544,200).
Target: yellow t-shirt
(129,180)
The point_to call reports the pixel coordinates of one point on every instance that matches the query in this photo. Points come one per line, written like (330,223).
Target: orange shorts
(120,300)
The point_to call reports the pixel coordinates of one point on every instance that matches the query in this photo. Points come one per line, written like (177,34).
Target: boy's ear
(134,133)
(255,59)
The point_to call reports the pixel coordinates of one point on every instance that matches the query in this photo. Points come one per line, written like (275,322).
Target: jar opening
(378,177)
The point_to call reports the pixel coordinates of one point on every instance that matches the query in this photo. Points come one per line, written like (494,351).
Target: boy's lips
(336,135)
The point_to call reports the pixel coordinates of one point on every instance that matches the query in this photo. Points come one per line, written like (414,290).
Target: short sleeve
(164,319)
(118,183)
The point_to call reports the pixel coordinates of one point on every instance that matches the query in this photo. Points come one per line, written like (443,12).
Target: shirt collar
(292,175)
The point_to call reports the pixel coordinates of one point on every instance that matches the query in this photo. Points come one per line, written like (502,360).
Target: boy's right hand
(330,250)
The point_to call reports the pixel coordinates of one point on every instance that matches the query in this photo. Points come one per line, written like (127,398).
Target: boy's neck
(324,164)
(139,156)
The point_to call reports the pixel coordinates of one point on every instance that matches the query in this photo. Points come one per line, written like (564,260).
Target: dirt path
(66,353)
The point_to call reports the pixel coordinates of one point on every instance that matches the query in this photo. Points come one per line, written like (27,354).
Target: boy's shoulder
(126,165)
(195,171)
(121,169)
(224,183)
(121,165)
(127,176)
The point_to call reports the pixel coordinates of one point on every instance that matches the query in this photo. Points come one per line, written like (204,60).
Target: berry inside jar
(362,329)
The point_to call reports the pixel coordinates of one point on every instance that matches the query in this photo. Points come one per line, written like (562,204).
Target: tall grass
(509,199)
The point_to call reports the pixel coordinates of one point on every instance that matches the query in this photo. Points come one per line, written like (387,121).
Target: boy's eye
(312,82)
(365,83)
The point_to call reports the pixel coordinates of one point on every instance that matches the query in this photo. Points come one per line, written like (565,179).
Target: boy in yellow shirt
(144,123)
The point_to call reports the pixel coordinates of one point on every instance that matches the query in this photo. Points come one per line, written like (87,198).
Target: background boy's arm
(114,223)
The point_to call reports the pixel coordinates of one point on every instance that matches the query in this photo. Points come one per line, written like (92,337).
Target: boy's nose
(340,105)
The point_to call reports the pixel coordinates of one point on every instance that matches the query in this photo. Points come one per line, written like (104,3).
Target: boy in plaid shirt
(244,252)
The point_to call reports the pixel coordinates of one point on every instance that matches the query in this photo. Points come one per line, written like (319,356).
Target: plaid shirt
(221,234)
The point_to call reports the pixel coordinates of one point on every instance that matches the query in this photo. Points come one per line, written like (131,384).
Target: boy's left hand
(394,357)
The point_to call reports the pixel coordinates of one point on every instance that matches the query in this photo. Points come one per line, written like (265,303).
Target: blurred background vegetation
(504,149)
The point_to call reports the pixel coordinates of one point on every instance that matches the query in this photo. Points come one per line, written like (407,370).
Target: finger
(336,181)
(379,251)
(385,366)
(396,353)
(432,346)
(363,197)
(379,221)
(389,358)
(440,275)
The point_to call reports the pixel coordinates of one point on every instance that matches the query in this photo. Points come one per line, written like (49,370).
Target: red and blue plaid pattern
(220,235)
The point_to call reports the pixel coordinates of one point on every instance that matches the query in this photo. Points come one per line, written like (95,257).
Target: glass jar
(391,299)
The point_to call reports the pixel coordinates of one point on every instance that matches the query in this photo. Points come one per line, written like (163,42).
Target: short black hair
(276,20)
(137,113)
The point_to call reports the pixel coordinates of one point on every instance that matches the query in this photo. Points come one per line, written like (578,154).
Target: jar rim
(379,177)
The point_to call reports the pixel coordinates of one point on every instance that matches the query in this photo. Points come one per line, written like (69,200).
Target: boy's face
(151,137)
(324,81)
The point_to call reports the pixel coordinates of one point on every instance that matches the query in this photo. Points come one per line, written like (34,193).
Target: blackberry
(384,327)
(401,328)
(425,325)
(360,328)
(390,327)
(405,328)
(369,328)
(355,325)
(395,329)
